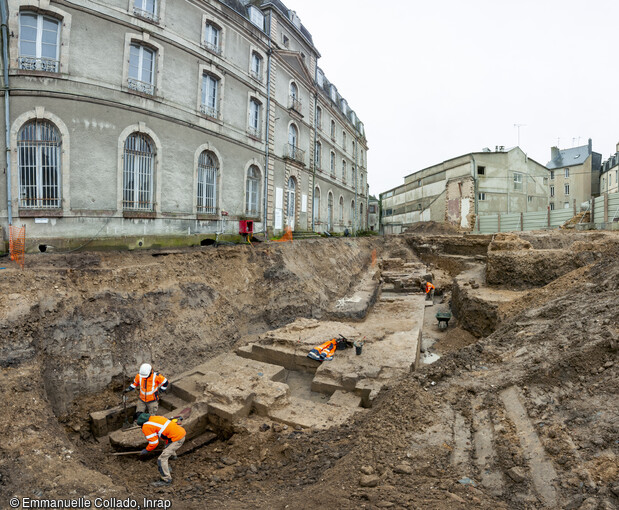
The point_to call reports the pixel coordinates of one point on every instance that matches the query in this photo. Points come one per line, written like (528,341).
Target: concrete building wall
(91,104)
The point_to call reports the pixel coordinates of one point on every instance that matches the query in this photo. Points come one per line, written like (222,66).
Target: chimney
(554,153)
(590,146)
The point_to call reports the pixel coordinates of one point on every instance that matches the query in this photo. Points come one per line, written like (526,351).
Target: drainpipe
(5,66)
(267,135)
(475,186)
(313,155)
(356,180)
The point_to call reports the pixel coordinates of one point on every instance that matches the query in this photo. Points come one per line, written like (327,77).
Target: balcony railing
(255,132)
(212,47)
(210,111)
(292,152)
(147,15)
(141,86)
(39,64)
(294,103)
(256,75)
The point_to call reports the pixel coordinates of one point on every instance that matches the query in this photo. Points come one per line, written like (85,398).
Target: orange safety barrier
(286,237)
(17,244)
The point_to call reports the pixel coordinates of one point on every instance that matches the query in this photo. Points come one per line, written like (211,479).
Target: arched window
(330,212)
(361,214)
(333,163)
(39,150)
(256,66)
(352,211)
(291,205)
(207,183)
(294,90)
(293,136)
(138,166)
(344,140)
(39,42)
(342,210)
(254,117)
(343,170)
(316,208)
(252,191)
(294,101)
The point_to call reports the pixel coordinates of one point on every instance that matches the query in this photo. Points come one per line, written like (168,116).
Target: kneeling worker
(150,383)
(429,290)
(155,427)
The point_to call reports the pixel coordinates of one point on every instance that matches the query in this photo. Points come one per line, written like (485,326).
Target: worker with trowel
(150,384)
(169,431)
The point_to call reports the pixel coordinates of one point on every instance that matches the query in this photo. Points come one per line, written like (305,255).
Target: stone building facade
(458,190)
(609,177)
(174,117)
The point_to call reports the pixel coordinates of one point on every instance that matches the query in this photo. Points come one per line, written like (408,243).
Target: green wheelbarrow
(443,319)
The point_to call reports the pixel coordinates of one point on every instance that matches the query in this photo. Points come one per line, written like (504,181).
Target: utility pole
(519,126)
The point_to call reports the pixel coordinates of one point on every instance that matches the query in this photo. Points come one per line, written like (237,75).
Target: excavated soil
(524,417)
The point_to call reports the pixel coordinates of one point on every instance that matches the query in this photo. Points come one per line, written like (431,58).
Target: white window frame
(517,181)
(318,154)
(552,206)
(209,98)
(142,39)
(333,129)
(256,64)
(141,167)
(254,127)
(141,10)
(319,117)
(211,70)
(253,193)
(38,62)
(566,188)
(216,47)
(341,203)
(567,173)
(139,83)
(207,183)
(40,165)
(332,163)
(316,204)
(552,175)
(566,205)
(552,191)
(344,170)
(344,140)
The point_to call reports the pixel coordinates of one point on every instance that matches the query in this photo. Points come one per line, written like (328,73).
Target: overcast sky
(432,80)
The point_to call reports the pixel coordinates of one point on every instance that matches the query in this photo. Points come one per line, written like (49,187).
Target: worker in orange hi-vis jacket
(150,384)
(429,290)
(169,431)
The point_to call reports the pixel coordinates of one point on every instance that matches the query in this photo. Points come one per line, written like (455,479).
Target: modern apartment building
(173,117)
(574,176)
(458,190)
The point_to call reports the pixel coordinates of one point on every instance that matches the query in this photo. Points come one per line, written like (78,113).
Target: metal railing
(211,111)
(294,103)
(147,15)
(255,132)
(212,47)
(292,152)
(141,86)
(39,64)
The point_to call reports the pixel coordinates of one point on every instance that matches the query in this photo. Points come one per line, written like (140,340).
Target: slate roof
(569,157)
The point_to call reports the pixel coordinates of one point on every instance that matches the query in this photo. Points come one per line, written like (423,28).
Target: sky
(432,80)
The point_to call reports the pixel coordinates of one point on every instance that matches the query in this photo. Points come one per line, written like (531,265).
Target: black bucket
(358,349)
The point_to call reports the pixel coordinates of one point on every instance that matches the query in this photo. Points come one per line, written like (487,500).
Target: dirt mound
(508,242)
(432,227)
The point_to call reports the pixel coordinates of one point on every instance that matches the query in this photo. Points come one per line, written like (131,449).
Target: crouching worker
(150,384)
(169,431)
(429,291)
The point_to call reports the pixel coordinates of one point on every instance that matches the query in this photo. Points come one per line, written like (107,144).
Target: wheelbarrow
(443,319)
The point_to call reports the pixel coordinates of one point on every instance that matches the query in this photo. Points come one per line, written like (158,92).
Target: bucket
(358,348)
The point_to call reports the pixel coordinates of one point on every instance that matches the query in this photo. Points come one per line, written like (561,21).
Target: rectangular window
(566,205)
(146,9)
(567,189)
(333,130)
(529,199)
(38,42)
(481,170)
(256,66)
(517,182)
(285,40)
(254,117)
(332,164)
(552,206)
(481,196)
(141,69)
(210,88)
(319,117)
(318,154)
(552,174)
(212,37)
(552,191)
(567,172)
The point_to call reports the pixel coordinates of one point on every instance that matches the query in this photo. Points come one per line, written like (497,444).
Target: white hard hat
(145,369)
